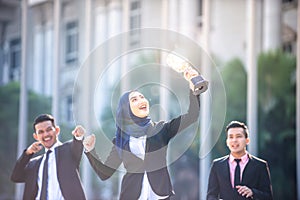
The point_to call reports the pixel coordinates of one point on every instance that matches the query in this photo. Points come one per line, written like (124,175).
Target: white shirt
(53,185)
(137,147)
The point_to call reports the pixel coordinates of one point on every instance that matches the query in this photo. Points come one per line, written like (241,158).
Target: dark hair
(42,118)
(237,124)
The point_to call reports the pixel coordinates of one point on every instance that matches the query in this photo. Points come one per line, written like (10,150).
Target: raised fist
(78,131)
(89,142)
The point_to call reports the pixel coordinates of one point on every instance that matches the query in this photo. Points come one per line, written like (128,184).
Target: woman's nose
(141,100)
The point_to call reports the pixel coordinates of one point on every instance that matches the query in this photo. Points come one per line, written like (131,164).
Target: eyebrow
(46,128)
(135,96)
(236,134)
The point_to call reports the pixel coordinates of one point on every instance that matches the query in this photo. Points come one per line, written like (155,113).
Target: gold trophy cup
(197,83)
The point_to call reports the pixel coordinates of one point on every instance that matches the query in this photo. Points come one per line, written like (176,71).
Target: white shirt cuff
(79,138)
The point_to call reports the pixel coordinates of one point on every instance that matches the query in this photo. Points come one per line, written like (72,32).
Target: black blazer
(68,156)
(154,163)
(256,176)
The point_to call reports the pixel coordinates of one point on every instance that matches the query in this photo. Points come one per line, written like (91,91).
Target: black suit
(154,163)
(68,156)
(256,176)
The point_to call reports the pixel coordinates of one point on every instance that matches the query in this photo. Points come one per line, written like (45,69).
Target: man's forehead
(43,124)
(236,130)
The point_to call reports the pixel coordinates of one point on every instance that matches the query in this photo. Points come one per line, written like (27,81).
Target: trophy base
(199,85)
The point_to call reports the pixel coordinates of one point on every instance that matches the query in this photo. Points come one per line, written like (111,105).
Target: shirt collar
(244,158)
(58,143)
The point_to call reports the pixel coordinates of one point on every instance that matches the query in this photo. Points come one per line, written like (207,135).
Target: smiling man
(53,175)
(239,175)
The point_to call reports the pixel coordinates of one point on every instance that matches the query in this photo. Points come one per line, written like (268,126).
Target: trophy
(197,83)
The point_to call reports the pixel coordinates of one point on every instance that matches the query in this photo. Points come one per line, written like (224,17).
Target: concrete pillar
(251,67)
(205,159)
(86,94)
(188,17)
(56,59)
(272,24)
(22,132)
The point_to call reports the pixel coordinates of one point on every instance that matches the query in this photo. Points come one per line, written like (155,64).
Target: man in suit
(239,175)
(63,159)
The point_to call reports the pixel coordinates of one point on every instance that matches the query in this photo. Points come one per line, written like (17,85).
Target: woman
(141,145)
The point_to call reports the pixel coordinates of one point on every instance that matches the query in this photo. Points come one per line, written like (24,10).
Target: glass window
(14,59)
(135,21)
(69,113)
(71,42)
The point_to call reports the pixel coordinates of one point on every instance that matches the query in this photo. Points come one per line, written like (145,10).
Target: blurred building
(276,22)
(276,28)
(83,25)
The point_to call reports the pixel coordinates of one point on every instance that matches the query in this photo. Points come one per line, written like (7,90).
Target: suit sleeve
(264,189)
(77,150)
(213,185)
(183,121)
(104,170)
(19,172)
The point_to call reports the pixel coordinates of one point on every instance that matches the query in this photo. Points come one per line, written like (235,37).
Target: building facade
(63,34)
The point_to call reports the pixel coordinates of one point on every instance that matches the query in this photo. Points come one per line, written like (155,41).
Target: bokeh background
(74,58)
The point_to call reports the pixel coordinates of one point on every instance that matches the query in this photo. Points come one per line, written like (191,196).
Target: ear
(57,130)
(247,140)
(35,136)
(227,142)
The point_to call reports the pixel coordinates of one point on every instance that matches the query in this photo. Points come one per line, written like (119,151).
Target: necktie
(45,177)
(237,173)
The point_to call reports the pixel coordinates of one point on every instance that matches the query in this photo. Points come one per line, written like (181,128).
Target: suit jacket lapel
(57,154)
(38,164)
(36,174)
(227,171)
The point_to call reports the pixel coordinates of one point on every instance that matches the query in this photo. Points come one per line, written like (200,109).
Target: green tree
(9,115)
(277,95)
(235,82)
(276,115)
